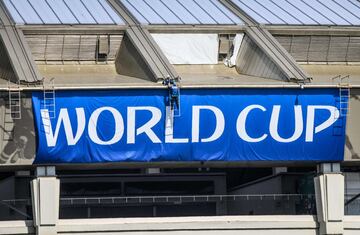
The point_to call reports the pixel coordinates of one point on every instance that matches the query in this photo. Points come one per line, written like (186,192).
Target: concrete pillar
(45,192)
(329,190)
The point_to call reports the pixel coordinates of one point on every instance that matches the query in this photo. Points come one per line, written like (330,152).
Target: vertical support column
(220,189)
(45,192)
(329,190)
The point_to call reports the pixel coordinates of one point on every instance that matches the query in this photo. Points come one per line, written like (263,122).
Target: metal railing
(184,205)
(352,204)
(16,209)
(181,198)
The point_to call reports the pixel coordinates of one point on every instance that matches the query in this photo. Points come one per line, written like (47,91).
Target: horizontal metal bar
(246,196)
(190,86)
(194,28)
(313,30)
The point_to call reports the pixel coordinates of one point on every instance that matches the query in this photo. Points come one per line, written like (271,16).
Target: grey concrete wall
(352,148)
(228,225)
(214,232)
(17,136)
(224,225)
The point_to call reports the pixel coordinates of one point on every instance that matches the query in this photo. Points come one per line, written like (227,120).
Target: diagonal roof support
(17,49)
(145,44)
(270,46)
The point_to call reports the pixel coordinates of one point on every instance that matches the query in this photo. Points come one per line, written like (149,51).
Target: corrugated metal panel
(62,12)
(338,49)
(302,12)
(322,48)
(318,49)
(115,42)
(87,47)
(354,49)
(253,61)
(70,47)
(180,12)
(300,47)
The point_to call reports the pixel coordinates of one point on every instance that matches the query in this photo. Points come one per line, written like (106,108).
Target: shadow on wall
(354,155)
(17,136)
(352,150)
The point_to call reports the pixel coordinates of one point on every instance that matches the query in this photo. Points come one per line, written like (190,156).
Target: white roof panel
(41,7)
(80,11)
(182,10)
(281,13)
(23,6)
(198,12)
(62,12)
(303,12)
(251,12)
(15,14)
(200,15)
(167,14)
(227,13)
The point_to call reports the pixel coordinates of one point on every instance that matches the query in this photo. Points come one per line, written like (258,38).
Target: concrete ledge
(17,227)
(352,222)
(189,224)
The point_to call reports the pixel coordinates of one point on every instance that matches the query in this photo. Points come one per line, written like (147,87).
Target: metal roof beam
(277,53)
(17,49)
(146,52)
(270,46)
(194,28)
(145,44)
(313,30)
(123,12)
(72,29)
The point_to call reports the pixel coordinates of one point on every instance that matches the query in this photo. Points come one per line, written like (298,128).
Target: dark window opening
(188,192)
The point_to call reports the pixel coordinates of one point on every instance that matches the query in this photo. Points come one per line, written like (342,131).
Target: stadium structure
(180,117)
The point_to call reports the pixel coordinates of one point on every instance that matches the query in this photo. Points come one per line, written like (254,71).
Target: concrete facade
(330,219)
(268,225)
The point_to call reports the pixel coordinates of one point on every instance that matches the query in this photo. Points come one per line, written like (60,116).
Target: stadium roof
(186,12)
(302,12)
(180,12)
(62,12)
(134,20)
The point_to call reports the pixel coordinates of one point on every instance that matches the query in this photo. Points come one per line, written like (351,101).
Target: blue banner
(210,125)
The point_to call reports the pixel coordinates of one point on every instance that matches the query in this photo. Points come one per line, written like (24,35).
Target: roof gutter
(183,86)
